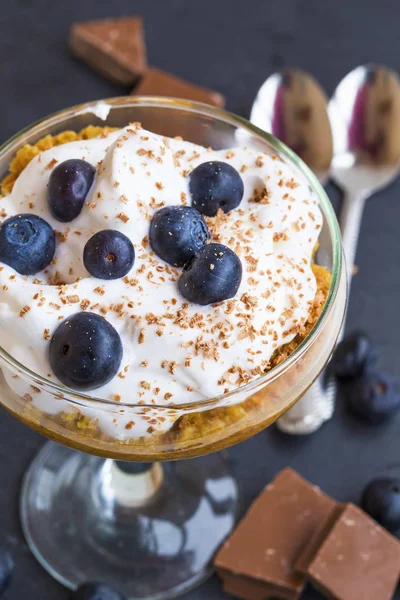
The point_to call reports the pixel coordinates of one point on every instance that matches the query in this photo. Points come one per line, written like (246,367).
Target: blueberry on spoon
(177,233)
(69,185)
(6,569)
(27,243)
(85,351)
(215,185)
(381,500)
(212,275)
(109,254)
(97,591)
(374,397)
(353,356)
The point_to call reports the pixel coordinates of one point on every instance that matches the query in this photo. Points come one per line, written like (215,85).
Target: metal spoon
(365,119)
(293,107)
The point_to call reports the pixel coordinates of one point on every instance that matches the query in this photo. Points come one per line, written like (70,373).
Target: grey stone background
(232,46)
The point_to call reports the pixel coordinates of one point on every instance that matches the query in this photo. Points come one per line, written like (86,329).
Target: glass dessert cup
(151,526)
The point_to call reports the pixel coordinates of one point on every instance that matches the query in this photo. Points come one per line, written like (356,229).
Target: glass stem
(130,484)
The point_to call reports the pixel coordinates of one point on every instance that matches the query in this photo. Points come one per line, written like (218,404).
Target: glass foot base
(81,526)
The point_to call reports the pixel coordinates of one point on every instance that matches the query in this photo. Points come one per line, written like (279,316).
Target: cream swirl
(174,351)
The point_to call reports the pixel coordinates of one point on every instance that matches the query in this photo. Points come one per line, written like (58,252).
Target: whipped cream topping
(174,352)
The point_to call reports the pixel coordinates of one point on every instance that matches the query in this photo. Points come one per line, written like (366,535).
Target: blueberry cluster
(27,242)
(179,235)
(371,395)
(85,349)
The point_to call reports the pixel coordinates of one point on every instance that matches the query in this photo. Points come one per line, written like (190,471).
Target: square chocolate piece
(160,83)
(275,531)
(113,47)
(359,560)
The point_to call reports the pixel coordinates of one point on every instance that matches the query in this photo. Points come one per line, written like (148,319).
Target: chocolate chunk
(160,83)
(273,534)
(359,560)
(320,534)
(114,47)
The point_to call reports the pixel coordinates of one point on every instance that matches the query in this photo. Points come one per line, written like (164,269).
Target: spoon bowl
(365,118)
(293,107)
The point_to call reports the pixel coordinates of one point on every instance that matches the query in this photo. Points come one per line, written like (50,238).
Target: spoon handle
(318,403)
(350,218)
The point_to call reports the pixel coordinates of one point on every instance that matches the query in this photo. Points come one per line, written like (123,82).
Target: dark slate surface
(230,46)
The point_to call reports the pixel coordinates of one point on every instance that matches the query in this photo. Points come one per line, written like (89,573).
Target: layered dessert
(150,271)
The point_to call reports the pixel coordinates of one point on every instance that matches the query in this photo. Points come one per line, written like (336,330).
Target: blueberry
(6,569)
(177,233)
(214,185)
(85,351)
(97,591)
(27,243)
(69,185)
(381,500)
(109,254)
(374,396)
(212,275)
(354,355)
